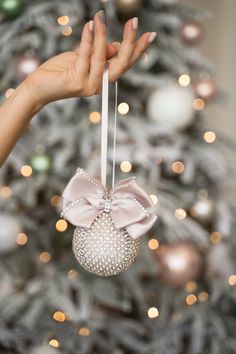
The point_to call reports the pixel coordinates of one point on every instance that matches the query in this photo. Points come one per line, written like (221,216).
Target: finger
(111,51)
(84,50)
(142,44)
(123,61)
(98,59)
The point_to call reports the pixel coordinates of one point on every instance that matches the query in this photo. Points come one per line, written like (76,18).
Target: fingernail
(152,37)
(91,26)
(102,17)
(135,23)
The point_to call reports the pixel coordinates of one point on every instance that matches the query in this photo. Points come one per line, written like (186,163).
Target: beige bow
(84,198)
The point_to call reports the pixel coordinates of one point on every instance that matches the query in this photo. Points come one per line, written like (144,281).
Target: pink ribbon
(85,198)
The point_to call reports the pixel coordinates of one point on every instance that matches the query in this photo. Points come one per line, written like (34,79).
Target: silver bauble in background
(171,106)
(9,229)
(102,249)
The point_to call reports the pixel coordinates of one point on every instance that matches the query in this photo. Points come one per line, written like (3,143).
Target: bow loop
(84,198)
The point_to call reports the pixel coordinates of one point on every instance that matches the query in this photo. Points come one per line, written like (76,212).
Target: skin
(70,74)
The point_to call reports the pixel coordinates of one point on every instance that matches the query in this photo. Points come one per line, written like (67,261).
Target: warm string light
(123,108)
(177,167)
(21,239)
(95,117)
(67,31)
(191,286)
(153,312)
(45,257)
(209,137)
(232,280)
(184,80)
(59,316)
(56,200)
(191,299)
(198,104)
(84,331)
(9,92)
(72,274)
(61,225)
(153,244)
(215,237)
(203,296)
(154,198)
(63,20)
(5,192)
(26,171)
(180,214)
(54,343)
(126,166)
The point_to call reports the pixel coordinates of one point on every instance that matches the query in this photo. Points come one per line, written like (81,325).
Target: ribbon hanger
(104,129)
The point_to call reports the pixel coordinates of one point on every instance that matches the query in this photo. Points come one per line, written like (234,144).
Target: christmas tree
(179,296)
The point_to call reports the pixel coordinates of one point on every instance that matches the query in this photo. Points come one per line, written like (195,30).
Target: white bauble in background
(45,349)
(9,229)
(171,106)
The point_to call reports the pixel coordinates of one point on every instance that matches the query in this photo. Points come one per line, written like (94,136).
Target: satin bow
(85,198)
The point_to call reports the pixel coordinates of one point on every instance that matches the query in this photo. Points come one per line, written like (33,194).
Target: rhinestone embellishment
(102,249)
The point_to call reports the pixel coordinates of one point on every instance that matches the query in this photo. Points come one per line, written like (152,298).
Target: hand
(79,73)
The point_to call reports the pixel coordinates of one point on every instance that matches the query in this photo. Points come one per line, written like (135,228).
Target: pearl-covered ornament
(44,349)
(102,249)
(171,106)
(9,229)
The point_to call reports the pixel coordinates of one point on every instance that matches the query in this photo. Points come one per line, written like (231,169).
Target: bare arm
(71,74)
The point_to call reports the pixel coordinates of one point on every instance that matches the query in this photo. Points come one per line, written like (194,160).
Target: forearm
(15,114)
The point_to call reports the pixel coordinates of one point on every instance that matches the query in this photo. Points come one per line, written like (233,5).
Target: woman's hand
(79,73)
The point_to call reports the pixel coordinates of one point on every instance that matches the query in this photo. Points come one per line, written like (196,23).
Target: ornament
(179,263)
(203,210)
(41,162)
(109,224)
(26,65)
(45,349)
(110,221)
(9,229)
(205,89)
(192,32)
(11,8)
(171,106)
(128,7)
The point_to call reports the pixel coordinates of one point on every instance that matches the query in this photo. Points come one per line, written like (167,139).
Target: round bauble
(205,89)
(9,229)
(203,210)
(128,7)
(102,249)
(11,8)
(179,264)
(40,162)
(45,349)
(26,65)
(171,107)
(191,32)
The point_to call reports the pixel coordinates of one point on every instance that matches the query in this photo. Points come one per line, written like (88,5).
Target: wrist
(29,91)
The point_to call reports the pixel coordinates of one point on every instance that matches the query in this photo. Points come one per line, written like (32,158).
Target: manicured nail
(102,16)
(152,37)
(135,23)
(91,26)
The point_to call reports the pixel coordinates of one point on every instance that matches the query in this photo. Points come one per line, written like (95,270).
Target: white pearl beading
(92,180)
(71,205)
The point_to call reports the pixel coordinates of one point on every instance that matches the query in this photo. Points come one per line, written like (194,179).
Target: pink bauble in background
(26,65)
(192,32)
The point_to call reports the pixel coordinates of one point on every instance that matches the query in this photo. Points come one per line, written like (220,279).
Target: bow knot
(84,198)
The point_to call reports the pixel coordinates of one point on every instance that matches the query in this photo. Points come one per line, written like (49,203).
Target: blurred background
(176,134)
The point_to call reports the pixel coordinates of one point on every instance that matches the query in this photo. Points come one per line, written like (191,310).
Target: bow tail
(139,228)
